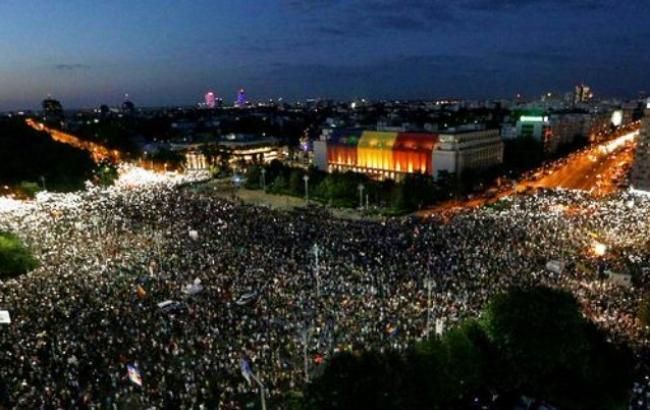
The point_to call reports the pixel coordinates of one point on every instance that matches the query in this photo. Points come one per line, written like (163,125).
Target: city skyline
(166,53)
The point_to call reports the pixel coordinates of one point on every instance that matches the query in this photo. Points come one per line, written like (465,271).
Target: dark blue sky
(171,51)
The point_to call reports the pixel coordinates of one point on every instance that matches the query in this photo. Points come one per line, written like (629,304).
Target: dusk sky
(165,52)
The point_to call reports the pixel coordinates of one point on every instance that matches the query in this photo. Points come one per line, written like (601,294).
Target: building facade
(552,130)
(460,151)
(378,154)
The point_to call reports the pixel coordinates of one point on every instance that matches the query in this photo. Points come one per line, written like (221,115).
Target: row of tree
(531,343)
(346,189)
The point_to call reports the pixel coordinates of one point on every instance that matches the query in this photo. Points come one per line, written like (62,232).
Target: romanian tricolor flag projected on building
(383,152)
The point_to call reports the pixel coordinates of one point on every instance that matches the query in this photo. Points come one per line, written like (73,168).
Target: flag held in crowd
(193,288)
(134,374)
(5,319)
(246,299)
(246,371)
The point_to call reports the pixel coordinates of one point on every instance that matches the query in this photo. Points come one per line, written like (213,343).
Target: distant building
(640,176)
(210,100)
(583,94)
(241,100)
(380,155)
(239,148)
(53,112)
(128,108)
(552,130)
(459,151)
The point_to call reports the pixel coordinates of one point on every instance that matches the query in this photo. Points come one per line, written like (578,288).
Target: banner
(5,319)
(134,374)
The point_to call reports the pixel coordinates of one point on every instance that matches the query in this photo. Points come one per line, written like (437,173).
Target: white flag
(5,319)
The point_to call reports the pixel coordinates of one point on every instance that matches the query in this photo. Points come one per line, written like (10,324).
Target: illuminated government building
(240,148)
(392,155)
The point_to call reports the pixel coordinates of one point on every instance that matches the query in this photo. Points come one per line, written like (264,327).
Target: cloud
(543,56)
(336,18)
(403,76)
(71,67)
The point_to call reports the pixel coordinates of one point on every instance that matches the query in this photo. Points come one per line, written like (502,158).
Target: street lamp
(264,179)
(316,251)
(428,283)
(306,179)
(360,188)
(306,333)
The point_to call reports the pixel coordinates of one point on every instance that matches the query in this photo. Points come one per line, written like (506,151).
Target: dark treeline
(31,158)
(531,343)
(342,189)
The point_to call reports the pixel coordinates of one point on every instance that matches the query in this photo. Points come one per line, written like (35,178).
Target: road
(599,169)
(593,170)
(98,152)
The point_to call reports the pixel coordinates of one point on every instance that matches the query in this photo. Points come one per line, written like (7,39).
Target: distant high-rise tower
(241,98)
(582,94)
(128,108)
(53,111)
(210,100)
(640,176)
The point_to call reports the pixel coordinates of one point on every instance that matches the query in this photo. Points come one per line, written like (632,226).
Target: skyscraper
(640,177)
(210,100)
(241,99)
(582,94)
(53,112)
(128,108)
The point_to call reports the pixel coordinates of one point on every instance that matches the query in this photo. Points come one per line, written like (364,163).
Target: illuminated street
(98,152)
(600,170)
(591,170)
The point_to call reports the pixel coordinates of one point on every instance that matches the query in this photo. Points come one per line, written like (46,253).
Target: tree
(15,257)
(296,182)
(28,189)
(279,184)
(532,342)
(65,168)
(369,380)
(552,352)
(644,313)
(253,177)
(106,173)
(172,160)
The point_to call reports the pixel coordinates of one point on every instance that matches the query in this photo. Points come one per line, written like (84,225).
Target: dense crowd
(267,300)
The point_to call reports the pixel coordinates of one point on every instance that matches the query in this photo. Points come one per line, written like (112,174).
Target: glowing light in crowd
(617,118)
(136,176)
(618,142)
(131,176)
(10,205)
(599,249)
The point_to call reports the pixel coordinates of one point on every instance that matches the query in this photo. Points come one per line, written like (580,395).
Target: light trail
(97,151)
(593,169)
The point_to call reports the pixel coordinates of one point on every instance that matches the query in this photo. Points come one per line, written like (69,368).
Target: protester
(245,292)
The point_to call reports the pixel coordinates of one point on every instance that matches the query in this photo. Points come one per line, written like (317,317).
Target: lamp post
(306,179)
(360,188)
(316,251)
(306,333)
(428,283)
(264,179)
(262,390)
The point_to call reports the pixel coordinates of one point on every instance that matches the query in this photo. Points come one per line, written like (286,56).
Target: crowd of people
(272,294)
